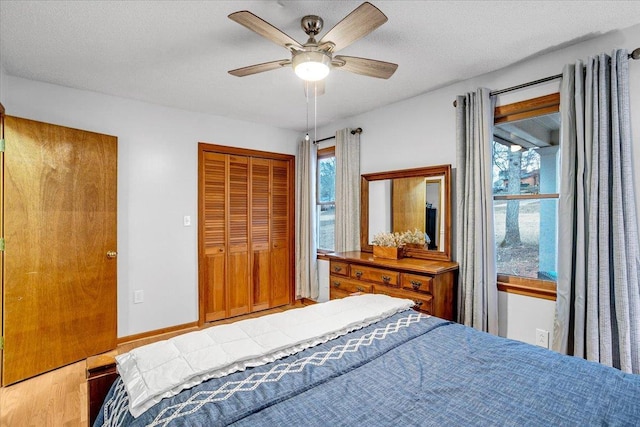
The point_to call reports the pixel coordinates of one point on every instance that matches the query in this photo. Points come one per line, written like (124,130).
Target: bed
(404,368)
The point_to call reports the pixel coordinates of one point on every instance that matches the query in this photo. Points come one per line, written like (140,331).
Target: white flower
(387,239)
(399,239)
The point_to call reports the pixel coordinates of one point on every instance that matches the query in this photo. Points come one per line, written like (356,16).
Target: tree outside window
(326,203)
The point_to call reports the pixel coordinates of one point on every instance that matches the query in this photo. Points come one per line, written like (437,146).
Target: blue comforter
(409,369)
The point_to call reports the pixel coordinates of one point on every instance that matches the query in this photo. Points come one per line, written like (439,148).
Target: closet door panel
(280,250)
(260,226)
(215,297)
(213,258)
(238,236)
(238,282)
(260,279)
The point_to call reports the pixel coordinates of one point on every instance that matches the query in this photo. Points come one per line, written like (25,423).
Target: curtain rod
(353,132)
(633,55)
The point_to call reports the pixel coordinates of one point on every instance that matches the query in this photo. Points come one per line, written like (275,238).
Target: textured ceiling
(177,53)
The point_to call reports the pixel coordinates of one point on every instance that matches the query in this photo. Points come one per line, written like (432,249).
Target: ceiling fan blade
(259,68)
(266,30)
(363,20)
(366,67)
(315,88)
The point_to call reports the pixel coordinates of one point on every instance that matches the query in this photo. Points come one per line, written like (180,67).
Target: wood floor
(59,398)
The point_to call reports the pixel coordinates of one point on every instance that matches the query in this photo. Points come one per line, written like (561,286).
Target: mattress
(407,369)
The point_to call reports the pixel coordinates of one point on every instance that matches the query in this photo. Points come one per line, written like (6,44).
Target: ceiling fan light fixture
(311,66)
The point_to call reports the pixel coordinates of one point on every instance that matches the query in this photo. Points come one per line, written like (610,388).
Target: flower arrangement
(388,240)
(391,245)
(416,237)
(396,240)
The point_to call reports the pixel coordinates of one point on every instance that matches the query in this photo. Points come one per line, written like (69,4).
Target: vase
(387,252)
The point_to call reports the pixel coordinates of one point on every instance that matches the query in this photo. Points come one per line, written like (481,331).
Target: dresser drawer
(422,301)
(335,293)
(420,284)
(376,275)
(348,285)
(341,268)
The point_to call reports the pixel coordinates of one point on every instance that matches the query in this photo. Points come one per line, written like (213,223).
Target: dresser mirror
(407,199)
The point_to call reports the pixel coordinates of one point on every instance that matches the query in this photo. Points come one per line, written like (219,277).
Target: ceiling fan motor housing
(312,25)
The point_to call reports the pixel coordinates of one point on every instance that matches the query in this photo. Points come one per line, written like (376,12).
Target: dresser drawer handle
(336,284)
(359,289)
(337,268)
(418,304)
(386,279)
(416,284)
(358,274)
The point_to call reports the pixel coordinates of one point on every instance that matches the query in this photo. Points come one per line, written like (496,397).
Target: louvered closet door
(238,236)
(245,234)
(260,231)
(280,228)
(213,218)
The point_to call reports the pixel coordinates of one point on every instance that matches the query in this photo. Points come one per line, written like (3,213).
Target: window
(526,145)
(326,203)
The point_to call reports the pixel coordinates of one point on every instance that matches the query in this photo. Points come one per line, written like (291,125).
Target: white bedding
(163,369)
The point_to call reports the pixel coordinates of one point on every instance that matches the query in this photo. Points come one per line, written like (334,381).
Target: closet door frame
(221,149)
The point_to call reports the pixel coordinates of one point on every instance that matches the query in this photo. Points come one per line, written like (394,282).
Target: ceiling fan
(313,60)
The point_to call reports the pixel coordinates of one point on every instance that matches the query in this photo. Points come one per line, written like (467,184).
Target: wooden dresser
(430,283)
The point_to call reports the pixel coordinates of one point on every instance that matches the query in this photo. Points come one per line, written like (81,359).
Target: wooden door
(246,219)
(213,235)
(59,284)
(238,236)
(281,265)
(409,202)
(260,232)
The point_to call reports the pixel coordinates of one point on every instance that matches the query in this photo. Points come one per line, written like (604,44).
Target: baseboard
(178,328)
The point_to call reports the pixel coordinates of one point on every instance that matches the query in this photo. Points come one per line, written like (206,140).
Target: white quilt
(163,369)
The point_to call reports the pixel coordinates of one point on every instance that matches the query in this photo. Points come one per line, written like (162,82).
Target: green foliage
(327,179)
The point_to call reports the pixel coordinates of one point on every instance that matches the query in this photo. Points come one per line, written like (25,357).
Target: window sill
(324,255)
(537,288)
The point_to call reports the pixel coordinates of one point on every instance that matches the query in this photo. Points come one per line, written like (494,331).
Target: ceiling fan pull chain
(306,95)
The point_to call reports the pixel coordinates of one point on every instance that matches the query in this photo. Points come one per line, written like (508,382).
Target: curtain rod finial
(455,102)
(635,54)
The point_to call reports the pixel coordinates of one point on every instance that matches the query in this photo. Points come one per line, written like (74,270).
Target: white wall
(157,187)
(520,316)
(421,131)
(2,83)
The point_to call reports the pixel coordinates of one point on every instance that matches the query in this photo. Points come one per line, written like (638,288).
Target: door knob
(112,254)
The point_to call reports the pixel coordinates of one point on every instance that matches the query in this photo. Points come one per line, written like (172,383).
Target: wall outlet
(138,297)
(542,338)
(187,221)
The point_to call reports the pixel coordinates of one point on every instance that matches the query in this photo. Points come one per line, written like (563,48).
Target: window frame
(323,153)
(548,104)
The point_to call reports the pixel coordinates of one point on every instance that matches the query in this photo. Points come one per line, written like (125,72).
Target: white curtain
(475,238)
(347,229)
(306,252)
(598,288)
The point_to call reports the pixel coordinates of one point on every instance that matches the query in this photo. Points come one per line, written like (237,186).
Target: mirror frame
(427,172)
